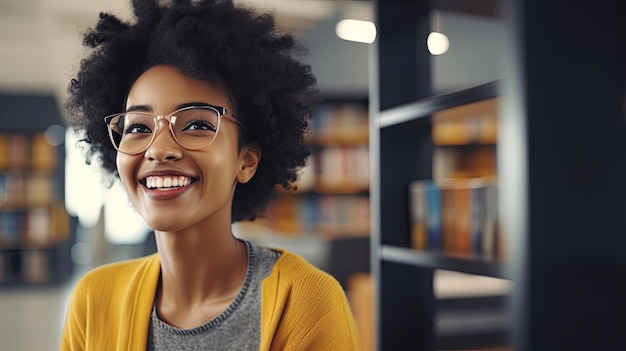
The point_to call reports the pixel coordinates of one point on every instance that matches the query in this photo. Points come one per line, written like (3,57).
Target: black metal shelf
(427,106)
(554,123)
(469,265)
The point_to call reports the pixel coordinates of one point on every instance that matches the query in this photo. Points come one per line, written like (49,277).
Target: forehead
(162,88)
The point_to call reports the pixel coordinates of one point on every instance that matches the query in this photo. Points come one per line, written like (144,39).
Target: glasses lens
(195,128)
(131,132)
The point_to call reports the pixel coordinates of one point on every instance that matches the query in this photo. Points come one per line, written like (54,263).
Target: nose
(164,147)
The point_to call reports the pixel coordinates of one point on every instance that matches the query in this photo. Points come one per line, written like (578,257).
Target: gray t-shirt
(237,328)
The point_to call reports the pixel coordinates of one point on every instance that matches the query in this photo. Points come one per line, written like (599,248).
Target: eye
(199,124)
(137,128)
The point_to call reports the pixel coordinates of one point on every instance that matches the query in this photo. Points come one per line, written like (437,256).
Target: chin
(162,224)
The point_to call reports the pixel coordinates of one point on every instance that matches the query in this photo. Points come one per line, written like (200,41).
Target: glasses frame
(221,112)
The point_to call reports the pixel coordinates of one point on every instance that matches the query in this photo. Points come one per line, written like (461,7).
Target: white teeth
(167,181)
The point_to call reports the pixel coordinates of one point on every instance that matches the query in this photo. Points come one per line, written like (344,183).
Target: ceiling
(40,43)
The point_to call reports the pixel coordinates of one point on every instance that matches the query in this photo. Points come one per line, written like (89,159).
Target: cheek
(125,167)
(220,167)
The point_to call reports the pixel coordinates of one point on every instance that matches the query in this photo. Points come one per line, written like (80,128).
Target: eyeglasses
(193,128)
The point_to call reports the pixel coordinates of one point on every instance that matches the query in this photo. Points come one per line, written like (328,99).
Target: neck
(199,268)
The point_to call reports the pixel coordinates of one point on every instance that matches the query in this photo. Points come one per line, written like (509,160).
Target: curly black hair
(215,41)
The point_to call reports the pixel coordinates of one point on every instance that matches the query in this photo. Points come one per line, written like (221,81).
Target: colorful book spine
(462,238)
(490,228)
(458,218)
(417,201)
(11,226)
(5,152)
(434,217)
(35,266)
(478,205)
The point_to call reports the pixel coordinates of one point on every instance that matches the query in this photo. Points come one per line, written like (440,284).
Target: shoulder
(299,276)
(295,266)
(108,299)
(115,275)
(307,307)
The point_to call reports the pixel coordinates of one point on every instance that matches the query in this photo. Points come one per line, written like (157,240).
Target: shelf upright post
(401,74)
(566,90)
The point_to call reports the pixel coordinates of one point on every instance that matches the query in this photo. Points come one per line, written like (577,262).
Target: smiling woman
(203,122)
(210,166)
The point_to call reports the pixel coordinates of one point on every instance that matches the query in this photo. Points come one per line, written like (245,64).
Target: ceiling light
(356,30)
(438,43)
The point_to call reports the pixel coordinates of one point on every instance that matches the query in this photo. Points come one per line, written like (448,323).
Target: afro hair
(211,40)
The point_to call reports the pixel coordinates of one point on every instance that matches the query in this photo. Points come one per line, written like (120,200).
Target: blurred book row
(458,219)
(30,267)
(455,212)
(332,195)
(34,227)
(33,219)
(336,170)
(340,123)
(20,190)
(27,152)
(329,216)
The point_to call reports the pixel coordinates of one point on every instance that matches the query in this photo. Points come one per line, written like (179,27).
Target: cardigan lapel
(141,294)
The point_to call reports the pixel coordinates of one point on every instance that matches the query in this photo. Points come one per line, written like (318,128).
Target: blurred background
(59,219)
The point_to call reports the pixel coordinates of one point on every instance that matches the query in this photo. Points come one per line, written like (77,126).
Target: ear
(249,158)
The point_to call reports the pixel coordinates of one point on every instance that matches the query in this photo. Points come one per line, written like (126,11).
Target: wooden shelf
(349,137)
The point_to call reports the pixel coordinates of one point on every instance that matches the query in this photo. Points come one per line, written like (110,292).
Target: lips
(166,185)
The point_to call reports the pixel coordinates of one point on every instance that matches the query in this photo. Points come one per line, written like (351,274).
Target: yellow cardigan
(303,308)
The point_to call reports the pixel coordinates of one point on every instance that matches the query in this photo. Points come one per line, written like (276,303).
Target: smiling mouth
(164,182)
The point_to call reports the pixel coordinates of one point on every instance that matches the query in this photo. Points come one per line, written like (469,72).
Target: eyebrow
(147,108)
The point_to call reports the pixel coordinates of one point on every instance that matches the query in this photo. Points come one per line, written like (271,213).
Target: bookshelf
(35,230)
(561,152)
(332,198)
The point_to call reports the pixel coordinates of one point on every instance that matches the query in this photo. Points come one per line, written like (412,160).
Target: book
(43,155)
(357,166)
(474,123)
(3,190)
(458,217)
(417,203)
(478,210)
(462,236)
(454,163)
(360,217)
(351,121)
(331,168)
(35,266)
(19,155)
(39,226)
(434,217)
(310,213)
(39,190)
(340,123)
(5,153)
(14,189)
(448,222)
(11,227)
(490,224)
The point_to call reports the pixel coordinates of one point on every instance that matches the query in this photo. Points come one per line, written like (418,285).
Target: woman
(203,122)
